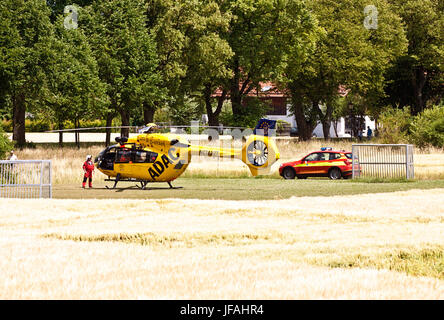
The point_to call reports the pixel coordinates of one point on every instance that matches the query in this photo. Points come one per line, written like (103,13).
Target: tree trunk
(213,116)
(77,133)
(109,122)
(326,129)
(61,127)
(326,121)
(305,128)
(335,127)
(236,102)
(124,132)
(235,94)
(148,113)
(18,120)
(418,81)
(325,118)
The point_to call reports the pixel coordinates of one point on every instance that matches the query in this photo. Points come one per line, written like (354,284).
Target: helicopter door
(108,159)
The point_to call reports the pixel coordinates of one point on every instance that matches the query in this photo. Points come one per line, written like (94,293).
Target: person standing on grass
(12,156)
(369,133)
(360,134)
(88,168)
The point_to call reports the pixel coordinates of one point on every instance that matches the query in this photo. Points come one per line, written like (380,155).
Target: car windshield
(318,156)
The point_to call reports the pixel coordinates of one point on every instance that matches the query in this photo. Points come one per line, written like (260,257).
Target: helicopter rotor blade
(140,127)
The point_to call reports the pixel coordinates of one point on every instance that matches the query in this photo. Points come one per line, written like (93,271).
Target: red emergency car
(323,163)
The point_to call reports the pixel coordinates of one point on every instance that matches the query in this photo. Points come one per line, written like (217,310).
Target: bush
(37,125)
(7,125)
(6,145)
(282,126)
(428,128)
(45,125)
(395,125)
(162,115)
(255,110)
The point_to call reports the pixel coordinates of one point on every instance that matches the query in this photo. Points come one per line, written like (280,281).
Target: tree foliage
(416,78)
(125,53)
(5,144)
(427,128)
(394,125)
(347,56)
(129,58)
(261,35)
(25,30)
(73,89)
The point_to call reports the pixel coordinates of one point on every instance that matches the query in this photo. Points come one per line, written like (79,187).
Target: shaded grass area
(428,262)
(239,189)
(169,240)
(425,262)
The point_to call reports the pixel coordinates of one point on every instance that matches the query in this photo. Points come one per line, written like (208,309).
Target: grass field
(238,189)
(226,235)
(367,246)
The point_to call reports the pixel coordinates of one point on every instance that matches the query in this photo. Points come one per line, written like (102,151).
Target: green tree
(427,128)
(261,35)
(73,88)
(192,55)
(58,6)
(207,58)
(347,55)
(25,29)
(395,125)
(5,144)
(125,53)
(418,75)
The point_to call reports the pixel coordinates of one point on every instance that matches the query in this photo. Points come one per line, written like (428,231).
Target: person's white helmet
(88,157)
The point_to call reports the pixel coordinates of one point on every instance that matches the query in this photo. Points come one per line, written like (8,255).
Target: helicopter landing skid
(143,183)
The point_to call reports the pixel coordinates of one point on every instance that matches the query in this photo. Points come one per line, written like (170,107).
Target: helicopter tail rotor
(259,153)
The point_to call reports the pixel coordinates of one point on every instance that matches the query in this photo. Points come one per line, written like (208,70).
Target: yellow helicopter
(163,157)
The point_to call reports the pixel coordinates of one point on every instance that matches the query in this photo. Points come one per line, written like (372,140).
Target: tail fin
(259,153)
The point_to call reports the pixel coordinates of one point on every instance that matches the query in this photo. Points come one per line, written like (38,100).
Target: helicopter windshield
(117,154)
(125,155)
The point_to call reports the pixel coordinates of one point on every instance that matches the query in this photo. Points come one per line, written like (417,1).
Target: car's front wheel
(335,174)
(288,173)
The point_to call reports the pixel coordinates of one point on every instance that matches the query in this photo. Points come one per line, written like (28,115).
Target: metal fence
(383,161)
(25,179)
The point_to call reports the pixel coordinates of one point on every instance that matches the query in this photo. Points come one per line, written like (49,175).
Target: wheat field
(364,246)
(373,246)
(67,162)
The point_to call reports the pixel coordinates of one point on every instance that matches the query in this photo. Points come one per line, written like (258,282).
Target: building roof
(267,90)
(270,90)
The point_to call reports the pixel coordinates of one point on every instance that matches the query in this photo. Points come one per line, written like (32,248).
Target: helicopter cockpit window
(123,155)
(106,158)
(145,156)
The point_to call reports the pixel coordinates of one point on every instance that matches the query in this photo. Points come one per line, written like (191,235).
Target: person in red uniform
(88,168)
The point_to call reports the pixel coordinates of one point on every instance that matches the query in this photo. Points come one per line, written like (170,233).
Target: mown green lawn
(239,189)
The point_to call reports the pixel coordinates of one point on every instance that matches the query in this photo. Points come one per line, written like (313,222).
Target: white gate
(25,179)
(383,161)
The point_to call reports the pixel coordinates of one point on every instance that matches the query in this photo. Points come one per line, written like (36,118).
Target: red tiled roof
(268,90)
